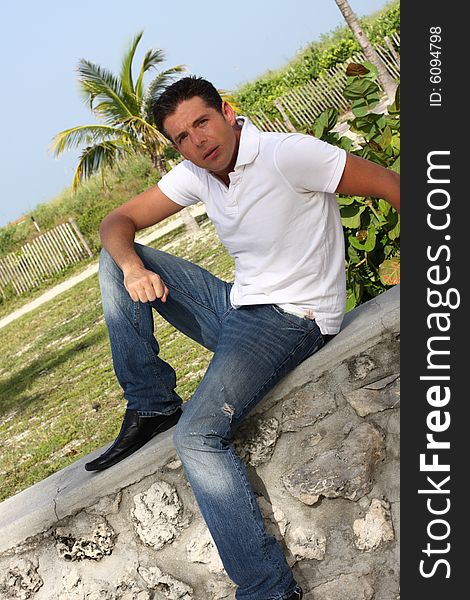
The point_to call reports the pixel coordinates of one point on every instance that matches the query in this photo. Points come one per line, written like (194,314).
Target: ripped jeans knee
(204,434)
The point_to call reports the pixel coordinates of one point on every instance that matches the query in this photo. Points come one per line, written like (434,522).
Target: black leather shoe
(135,432)
(297,595)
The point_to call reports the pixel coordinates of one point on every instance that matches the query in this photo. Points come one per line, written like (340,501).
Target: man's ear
(229,113)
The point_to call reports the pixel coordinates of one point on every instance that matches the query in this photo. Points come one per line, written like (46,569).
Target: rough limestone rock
(255,440)
(306,542)
(314,439)
(174,464)
(72,585)
(219,590)
(171,588)
(85,537)
(75,588)
(306,407)
(201,549)
(128,590)
(375,528)
(341,472)
(345,587)
(375,397)
(158,515)
(21,580)
(360,366)
(275,520)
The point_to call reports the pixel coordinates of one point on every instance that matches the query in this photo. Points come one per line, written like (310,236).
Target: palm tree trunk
(191,225)
(384,77)
(158,162)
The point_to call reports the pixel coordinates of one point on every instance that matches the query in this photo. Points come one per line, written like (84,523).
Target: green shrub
(385,24)
(371,226)
(332,49)
(339,53)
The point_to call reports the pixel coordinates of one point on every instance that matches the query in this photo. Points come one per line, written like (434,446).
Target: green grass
(13,302)
(59,398)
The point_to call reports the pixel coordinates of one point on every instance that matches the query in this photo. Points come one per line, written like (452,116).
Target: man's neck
(224,175)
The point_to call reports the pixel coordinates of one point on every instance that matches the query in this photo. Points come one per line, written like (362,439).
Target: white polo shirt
(279,220)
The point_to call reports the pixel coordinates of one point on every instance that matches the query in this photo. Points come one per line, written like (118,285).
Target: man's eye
(181,138)
(202,121)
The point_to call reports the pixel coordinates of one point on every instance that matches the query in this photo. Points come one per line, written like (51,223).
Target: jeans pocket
(301,323)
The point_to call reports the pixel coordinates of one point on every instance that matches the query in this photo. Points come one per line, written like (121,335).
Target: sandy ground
(89,271)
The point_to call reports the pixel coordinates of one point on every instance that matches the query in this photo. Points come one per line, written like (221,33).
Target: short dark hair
(183,89)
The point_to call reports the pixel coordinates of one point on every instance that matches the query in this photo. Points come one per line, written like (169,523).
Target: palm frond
(83,135)
(126,69)
(102,86)
(144,133)
(152,58)
(119,105)
(100,157)
(156,87)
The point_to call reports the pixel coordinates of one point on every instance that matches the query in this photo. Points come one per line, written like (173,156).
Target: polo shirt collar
(249,143)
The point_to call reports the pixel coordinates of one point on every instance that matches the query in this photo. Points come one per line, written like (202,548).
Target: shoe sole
(170,422)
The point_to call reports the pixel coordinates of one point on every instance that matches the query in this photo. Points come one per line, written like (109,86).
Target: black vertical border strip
(426,128)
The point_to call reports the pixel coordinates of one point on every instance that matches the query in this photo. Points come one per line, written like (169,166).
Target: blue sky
(42,42)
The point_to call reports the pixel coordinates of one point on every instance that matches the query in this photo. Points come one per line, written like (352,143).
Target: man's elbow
(395,203)
(393,196)
(104,226)
(115,220)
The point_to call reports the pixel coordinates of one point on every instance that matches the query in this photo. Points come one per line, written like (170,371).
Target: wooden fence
(263,122)
(42,258)
(301,106)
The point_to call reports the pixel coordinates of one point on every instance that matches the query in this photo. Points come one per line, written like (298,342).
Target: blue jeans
(254,347)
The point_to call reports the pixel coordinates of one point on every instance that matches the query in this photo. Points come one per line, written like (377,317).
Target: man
(272,200)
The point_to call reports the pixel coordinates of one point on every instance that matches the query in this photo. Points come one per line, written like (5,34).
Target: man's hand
(117,232)
(144,285)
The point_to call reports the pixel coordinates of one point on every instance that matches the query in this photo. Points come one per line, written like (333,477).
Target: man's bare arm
(117,232)
(364,178)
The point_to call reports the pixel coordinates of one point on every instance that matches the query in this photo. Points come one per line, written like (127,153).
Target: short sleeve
(181,184)
(309,164)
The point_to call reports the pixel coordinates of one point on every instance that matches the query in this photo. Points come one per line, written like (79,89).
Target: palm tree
(124,106)
(384,77)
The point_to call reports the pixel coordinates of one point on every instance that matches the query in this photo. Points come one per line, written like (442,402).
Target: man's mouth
(211,153)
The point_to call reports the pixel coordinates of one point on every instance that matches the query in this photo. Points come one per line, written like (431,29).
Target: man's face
(204,136)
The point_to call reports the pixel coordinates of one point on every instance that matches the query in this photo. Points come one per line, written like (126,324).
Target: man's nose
(198,138)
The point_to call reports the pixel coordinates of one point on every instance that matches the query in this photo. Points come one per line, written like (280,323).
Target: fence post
(393,52)
(190,223)
(80,235)
(285,118)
